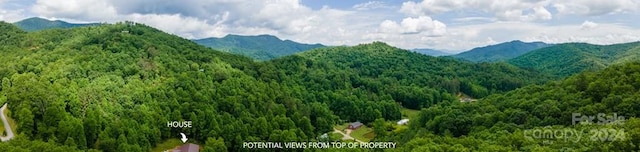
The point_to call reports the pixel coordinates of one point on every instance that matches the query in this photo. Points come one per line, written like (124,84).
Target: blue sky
(440,24)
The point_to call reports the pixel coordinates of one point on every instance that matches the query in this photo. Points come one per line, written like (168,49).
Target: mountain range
(266,47)
(571,58)
(260,47)
(36,24)
(432,52)
(500,52)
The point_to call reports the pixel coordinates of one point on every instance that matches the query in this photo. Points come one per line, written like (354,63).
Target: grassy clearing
(342,127)
(369,135)
(399,128)
(166,145)
(409,113)
(335,136)
(361,132)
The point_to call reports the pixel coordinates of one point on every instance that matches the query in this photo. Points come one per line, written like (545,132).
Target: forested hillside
(36,24)
(114,87)
(505,122)
(500,52)
(564,60)
(261,47)
(413,79)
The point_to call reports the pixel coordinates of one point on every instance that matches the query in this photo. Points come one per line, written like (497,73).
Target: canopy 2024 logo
(600,127)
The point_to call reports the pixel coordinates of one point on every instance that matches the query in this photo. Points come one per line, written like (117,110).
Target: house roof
(188,148)
(356,124)
(403,121)
(325,135)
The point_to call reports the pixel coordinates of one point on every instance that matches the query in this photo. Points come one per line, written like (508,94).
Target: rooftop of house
(357,123)
(187,148)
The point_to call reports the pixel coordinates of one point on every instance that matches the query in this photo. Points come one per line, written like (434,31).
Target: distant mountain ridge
(571,58)
(259,47)
(432,52)
(500,52)
(37,24)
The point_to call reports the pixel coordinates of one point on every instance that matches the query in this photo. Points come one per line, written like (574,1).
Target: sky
(452,25)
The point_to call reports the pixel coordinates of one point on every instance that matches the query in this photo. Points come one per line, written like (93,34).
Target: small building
(355,125)
(187,148)
(324,136)
(403,122)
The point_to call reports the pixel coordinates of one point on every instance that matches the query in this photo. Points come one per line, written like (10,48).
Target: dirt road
(346,136)
(5,122)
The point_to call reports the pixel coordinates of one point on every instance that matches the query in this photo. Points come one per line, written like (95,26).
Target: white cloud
(11,15)
(588,25)
(460,24)
(469,36)
(287,19)
(77,9)
(473,20)
(429,7)
(371,5)
(514,10)
(596,7)
(502,10)
(410,25)
(198,19)
(412,8)
(507,31)
(188,27)
(541,13)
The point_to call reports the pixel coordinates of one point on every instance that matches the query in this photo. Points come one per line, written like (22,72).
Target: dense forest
(114,87)
(501,122)
(382,72)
